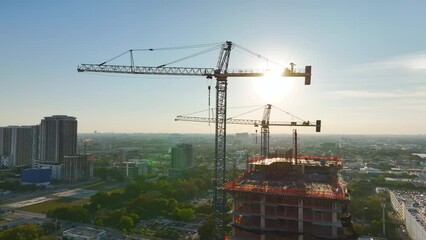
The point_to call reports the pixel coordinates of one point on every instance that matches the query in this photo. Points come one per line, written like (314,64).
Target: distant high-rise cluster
(51,144)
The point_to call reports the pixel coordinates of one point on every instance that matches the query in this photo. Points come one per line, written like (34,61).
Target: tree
(125,223)
(101,172)
(112,218)
(77,214)
(115,201)
(204,209)
(359,228)
(206,229)
(184,214)
(376,227)
(45,237)
(100,198)
(132,191)
(22,232)
(187,190)
(49,227)
(149,205)
(135,217)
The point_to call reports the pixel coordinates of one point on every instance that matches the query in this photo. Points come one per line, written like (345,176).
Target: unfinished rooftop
(308,176)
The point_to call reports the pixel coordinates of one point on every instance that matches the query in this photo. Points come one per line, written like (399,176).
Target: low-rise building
(55,167)
(410,207)
(84,233)
(38,176)
(134,167)
(77,167)
(370,170)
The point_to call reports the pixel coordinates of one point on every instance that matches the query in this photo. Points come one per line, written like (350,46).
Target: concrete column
(262,216)
(262,212)
(234,203)
(300,215)
(334,220)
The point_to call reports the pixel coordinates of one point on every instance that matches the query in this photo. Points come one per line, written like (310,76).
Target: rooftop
(303,160)
(416,204)
(84,232)
(280,175)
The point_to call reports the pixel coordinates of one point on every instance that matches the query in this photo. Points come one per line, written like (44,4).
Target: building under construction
(289,195)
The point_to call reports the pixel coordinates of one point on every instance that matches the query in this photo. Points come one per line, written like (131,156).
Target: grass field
(50,205)
(68,201)
(116,190)
(95,186)
(103,186)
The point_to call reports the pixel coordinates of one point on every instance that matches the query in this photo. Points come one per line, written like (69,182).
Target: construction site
(277,196)
(300,197)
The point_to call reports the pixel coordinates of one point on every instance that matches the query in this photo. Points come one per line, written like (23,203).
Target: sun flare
(273,87)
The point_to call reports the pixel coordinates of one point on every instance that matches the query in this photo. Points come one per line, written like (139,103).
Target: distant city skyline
(368,63)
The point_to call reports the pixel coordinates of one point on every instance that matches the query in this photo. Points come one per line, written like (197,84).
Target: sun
(273,87)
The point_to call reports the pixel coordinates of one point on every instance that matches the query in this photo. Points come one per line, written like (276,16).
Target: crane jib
(183,71)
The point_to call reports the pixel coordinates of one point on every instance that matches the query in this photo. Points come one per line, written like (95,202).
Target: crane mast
(219,196)
(264,132)
(221,73)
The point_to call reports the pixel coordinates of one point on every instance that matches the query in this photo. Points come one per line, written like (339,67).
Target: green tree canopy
(22,232)
(125,223)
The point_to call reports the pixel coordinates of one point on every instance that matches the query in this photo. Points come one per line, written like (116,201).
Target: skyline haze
(368,63)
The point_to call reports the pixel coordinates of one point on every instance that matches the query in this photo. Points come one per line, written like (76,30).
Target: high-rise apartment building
(5,140)
(58,138)
(181,158)
(22,145)
(17,145)
(52,144)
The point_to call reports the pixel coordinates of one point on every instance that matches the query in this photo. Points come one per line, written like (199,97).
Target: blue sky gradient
(368,58)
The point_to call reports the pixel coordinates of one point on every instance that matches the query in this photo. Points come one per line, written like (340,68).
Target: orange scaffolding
(338,191)
(337,160)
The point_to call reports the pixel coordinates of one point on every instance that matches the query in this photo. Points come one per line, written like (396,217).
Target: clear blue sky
(368,58)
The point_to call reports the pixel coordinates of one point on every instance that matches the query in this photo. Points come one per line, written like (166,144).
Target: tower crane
(221,73)
(264,124)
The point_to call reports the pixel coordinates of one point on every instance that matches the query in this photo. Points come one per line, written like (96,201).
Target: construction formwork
(279,196)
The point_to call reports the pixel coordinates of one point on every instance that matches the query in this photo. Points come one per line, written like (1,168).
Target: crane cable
(294,116)
(257,55)
(181,47)
(190,56)
(114,58)
(215,46)
(212,109)
(247,112)
(160,49)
